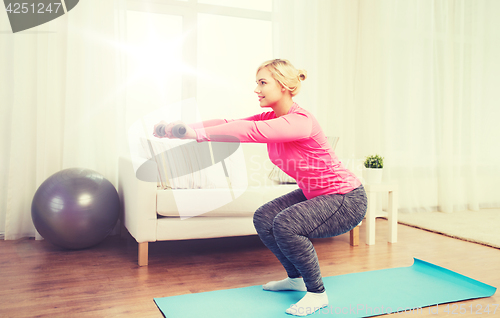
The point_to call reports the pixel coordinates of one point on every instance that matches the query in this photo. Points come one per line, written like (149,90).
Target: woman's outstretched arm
(283,129)
(217,122)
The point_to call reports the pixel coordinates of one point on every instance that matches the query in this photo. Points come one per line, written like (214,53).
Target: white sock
(286,284)
(308,304)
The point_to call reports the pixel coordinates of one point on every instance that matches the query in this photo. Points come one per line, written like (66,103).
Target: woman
(330,200)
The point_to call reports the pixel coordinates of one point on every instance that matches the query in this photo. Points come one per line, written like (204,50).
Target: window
(207,49)
(154,51)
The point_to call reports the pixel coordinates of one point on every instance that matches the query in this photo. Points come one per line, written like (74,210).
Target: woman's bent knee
(262,220)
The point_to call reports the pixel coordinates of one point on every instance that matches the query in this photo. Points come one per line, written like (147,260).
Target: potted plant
(373,169)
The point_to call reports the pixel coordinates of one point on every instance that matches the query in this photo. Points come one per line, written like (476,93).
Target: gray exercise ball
(75,208)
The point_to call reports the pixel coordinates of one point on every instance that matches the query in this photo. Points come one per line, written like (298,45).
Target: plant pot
(372,175)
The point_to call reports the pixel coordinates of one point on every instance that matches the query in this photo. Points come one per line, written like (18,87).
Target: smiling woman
(275,78)
(285,73)
(330,200)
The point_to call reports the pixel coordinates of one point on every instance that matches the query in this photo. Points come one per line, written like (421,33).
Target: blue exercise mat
(362,294)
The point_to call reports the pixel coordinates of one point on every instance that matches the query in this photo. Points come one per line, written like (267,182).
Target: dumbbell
(178,130)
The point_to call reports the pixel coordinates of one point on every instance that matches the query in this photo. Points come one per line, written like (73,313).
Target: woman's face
(268,89)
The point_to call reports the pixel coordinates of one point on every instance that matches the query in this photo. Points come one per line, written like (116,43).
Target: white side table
(392,214)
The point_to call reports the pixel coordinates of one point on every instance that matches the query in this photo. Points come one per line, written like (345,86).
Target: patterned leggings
(286,224)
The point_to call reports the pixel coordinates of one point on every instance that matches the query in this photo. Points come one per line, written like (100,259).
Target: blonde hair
(285,73)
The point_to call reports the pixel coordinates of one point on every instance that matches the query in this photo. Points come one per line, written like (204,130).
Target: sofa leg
(354,236)
(143,254)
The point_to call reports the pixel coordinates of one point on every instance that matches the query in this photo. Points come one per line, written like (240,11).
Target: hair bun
(302,75)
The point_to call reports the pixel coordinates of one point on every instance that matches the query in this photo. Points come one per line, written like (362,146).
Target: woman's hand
(190,132)
(161,123)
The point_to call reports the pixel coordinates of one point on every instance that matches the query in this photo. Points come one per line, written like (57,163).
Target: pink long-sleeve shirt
(295,143)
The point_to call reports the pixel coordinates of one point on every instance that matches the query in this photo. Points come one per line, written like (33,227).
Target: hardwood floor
(41,280)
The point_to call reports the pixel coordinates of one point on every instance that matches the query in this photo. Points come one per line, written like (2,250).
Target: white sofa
(152,213)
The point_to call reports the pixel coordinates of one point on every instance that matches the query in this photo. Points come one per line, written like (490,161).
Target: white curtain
(440,78)
(61,103)
(414,81)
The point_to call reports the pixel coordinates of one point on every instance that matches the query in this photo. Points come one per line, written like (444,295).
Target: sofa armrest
(138,202)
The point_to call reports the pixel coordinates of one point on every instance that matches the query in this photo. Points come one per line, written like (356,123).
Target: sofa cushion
(178,163)
(186,203)
(248,165)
